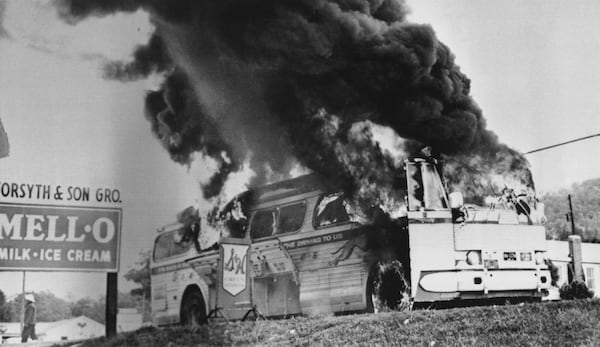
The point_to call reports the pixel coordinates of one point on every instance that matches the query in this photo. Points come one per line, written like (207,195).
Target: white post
(576,258)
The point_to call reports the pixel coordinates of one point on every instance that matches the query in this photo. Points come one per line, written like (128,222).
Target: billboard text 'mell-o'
(40,237)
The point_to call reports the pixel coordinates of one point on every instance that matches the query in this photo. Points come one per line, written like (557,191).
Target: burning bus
(311,252)
(275,85)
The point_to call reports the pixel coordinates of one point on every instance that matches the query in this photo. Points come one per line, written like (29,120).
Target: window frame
(301,202)
(314,219)
(277,210)
(430,170)
(172,242)
(251,224)
(590,281)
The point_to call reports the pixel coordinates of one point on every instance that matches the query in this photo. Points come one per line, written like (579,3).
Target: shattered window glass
(291,217)
(182,241)
(425,189)
(434,192)
(415,189)
(331,209)
(263,224)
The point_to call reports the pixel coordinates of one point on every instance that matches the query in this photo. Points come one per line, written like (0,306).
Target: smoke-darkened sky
(532,70)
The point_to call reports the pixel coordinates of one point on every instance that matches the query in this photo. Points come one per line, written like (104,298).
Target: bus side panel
(330,283)
(169,281)
(159,300)
(431,248)
(277,295)
(499,236)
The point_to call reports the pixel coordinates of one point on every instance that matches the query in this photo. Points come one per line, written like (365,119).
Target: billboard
(62,238)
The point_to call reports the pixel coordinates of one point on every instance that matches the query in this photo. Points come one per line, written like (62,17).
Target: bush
(575,290)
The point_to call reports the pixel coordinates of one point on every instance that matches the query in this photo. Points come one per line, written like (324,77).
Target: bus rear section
(477,261)
(477,254)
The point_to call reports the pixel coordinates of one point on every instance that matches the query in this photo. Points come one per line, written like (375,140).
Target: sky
(534,73)
(532,64)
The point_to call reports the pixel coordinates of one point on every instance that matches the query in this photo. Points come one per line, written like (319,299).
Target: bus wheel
(388,288)
(193,312)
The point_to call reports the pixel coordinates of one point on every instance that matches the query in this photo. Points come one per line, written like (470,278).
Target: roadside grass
(567,323)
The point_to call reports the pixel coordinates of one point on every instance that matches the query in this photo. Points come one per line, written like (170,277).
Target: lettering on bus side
(322,239)
(169,268)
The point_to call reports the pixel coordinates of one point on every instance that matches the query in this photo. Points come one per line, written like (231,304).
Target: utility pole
(570,216)
(575,248)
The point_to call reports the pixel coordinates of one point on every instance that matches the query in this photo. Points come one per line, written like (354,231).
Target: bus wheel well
(387,287)
(193,307)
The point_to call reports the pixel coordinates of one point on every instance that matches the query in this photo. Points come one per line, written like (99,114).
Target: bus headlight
(539,258)
(474,257)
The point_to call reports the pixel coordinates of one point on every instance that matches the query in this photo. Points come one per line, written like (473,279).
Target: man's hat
(29,297)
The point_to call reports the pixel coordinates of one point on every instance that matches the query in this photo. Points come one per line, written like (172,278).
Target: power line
(562,143)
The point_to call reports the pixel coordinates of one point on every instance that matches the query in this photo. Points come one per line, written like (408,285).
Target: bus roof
(170,227)
(283,189)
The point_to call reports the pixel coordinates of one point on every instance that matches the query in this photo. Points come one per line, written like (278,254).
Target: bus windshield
(171,243)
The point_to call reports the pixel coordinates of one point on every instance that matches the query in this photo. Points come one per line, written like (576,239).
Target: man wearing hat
(29,320)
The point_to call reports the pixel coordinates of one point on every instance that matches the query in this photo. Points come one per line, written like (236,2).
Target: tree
(49,307)
(141,275)
(586,210)
(94,309)
(4,309)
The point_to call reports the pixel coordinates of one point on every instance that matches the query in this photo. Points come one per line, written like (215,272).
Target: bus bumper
(481,284)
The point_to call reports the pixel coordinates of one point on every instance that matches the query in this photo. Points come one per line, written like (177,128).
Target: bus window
(415,188)
(263,224)
(291,217)
(170,244)
(330,210)
(181,242)
(434,195)
(161,246)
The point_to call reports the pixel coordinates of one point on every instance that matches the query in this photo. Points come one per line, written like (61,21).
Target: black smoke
(183,127)
(281,83)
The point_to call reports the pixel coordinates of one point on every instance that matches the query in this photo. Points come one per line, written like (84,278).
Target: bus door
(275,277)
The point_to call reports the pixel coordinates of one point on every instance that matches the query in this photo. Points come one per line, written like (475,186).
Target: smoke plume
(282,83)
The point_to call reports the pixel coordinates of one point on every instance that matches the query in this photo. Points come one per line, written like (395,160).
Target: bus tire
(387,288)
(193,310)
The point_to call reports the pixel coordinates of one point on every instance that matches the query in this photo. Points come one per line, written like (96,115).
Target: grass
(568,323)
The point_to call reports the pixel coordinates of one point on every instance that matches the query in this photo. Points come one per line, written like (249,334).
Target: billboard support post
(111,304)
